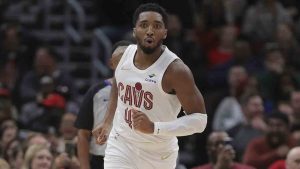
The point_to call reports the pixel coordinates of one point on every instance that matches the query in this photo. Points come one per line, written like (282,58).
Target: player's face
(149,31)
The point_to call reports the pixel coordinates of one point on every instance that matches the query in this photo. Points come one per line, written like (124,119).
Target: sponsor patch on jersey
(150,80)
(152,75)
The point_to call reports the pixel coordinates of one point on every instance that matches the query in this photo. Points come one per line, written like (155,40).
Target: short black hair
(51,51)
(280,116)
(120,43)
(150,7)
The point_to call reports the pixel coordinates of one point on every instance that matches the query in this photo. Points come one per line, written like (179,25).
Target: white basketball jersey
(142,90)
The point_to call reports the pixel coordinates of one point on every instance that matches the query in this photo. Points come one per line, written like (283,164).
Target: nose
(150,31)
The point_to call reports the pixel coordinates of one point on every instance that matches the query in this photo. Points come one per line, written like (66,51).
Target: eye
(143,25)
(157,26)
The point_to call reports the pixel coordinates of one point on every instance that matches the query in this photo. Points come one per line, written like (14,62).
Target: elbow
(201,122)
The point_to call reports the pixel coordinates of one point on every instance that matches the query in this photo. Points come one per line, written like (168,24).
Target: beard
(276,139)
(148,50)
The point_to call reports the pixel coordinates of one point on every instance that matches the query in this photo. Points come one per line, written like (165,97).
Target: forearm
(83,149)
(183,126)
(110,113)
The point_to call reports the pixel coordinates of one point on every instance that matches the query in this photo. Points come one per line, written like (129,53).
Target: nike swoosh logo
(163,157)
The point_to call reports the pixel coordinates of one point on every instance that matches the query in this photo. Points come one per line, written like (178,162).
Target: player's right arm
(101,132)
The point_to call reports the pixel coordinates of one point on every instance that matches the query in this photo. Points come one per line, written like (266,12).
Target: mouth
(149,41)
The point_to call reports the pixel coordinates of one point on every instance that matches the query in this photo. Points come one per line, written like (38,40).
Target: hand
(141,122)
(225,156)
(259,123)
(62,161)
(101,133)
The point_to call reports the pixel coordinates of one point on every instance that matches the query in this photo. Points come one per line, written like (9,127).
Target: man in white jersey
(150,87)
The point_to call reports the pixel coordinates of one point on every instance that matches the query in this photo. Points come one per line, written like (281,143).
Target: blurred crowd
(245,57)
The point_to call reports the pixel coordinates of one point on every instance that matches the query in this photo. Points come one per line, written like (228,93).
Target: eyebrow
(156,21)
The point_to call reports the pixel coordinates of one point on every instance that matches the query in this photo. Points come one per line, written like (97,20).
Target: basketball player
(150,87)
(91,113)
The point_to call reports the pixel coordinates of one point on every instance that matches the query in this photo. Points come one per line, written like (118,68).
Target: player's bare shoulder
(177,72)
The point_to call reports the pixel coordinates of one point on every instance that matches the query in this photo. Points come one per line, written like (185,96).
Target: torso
(142,90)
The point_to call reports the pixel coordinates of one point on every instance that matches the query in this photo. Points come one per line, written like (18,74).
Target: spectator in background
(295,123)
(4,164)
(8,132)
(46,64)
(214,13)
(261,152)
(16,51)
(37,157)
(275,65)
(261,20)
(218,12)
(14,154)
(286,108)
(7,108)
(287,83)
(45,112)
(67,132)
(66,144)
(229,112)
(221,153)
(35,139)
(288,45)
(293,8)
(292,160)
(63,161)
(218,58)
(244,55)
(253,126)
(224,51)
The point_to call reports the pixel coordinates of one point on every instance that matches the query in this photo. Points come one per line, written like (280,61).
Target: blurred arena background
(52,51)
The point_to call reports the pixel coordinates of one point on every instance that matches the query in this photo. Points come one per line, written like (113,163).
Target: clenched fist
(141,122)
(101,133)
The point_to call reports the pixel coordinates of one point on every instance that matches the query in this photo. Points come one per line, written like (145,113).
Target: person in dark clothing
(91,113)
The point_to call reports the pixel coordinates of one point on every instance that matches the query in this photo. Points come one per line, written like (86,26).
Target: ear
(165,33)
(133,32)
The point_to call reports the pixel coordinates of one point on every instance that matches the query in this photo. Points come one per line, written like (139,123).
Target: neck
(143,60)
(224,165)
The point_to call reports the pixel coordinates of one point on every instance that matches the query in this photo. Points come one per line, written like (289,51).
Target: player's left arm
(179,79)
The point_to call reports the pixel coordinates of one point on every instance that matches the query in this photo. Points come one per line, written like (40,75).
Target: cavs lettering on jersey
(142,90)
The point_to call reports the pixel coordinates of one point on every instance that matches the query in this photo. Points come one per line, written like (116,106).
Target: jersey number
(128,119)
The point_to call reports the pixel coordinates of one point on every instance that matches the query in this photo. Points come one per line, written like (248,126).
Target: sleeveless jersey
(142,90)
